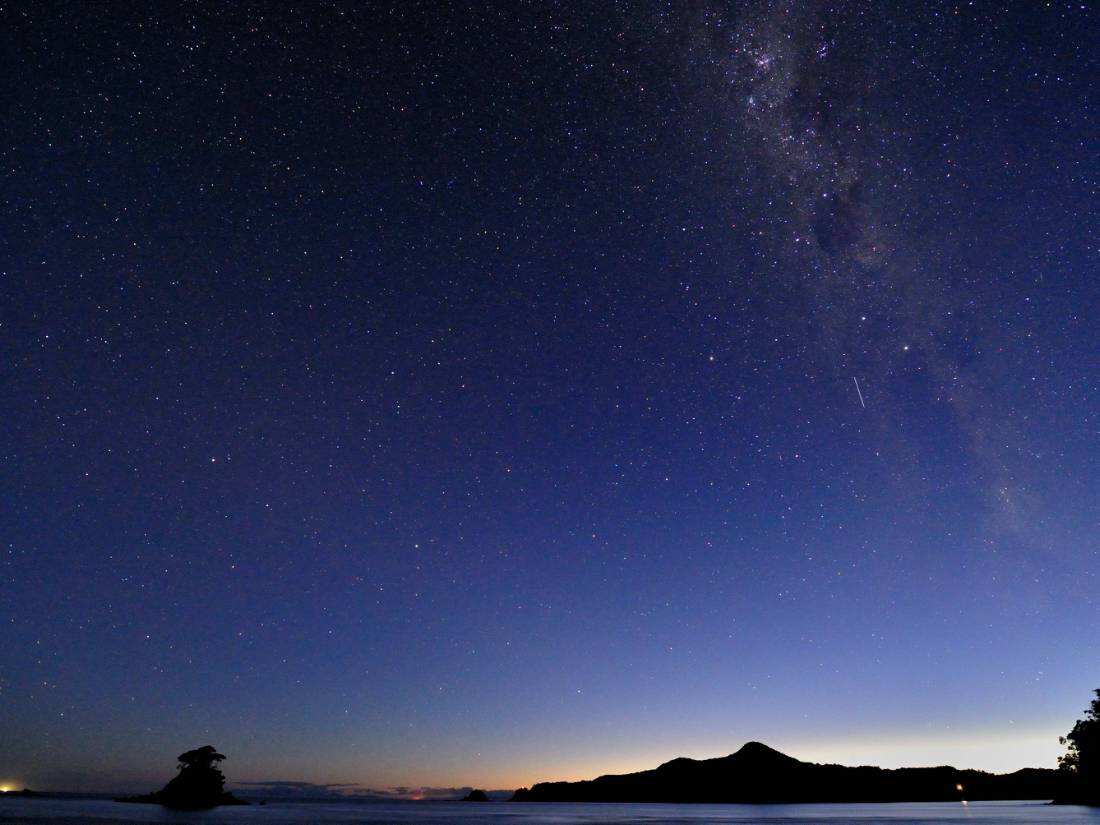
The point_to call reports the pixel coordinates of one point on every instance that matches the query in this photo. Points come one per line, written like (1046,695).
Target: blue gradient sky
(433,395)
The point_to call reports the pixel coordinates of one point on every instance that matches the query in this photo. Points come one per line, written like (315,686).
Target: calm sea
(103,812)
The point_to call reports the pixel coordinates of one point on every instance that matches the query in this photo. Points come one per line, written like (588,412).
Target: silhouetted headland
(476,796)
(25,793)
(199,784)
(759,774)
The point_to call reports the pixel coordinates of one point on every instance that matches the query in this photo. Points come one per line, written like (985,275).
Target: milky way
(811,93)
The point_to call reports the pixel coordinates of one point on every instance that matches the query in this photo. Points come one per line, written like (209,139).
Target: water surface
(105,812)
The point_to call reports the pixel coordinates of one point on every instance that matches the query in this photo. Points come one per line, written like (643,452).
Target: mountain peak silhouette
(757,773)
(750,756)
(758,751)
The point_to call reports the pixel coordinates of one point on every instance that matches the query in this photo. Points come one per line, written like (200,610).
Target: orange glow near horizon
(998,755)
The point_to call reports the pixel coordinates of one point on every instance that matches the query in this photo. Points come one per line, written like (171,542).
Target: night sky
(419,394)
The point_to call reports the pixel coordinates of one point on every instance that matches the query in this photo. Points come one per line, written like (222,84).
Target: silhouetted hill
(759,774)
(199,784)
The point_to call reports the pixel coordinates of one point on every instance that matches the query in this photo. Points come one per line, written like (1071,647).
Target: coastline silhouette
(754,774)
(759,774)
(199,783)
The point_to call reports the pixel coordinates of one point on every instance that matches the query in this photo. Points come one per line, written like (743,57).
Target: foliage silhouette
(205,758)
(1082,757)
(199,783)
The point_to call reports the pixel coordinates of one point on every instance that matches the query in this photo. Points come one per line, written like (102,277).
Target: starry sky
(426,394)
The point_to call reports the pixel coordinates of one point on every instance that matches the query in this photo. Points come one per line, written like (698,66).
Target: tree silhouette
(202,759)
(1082,757)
